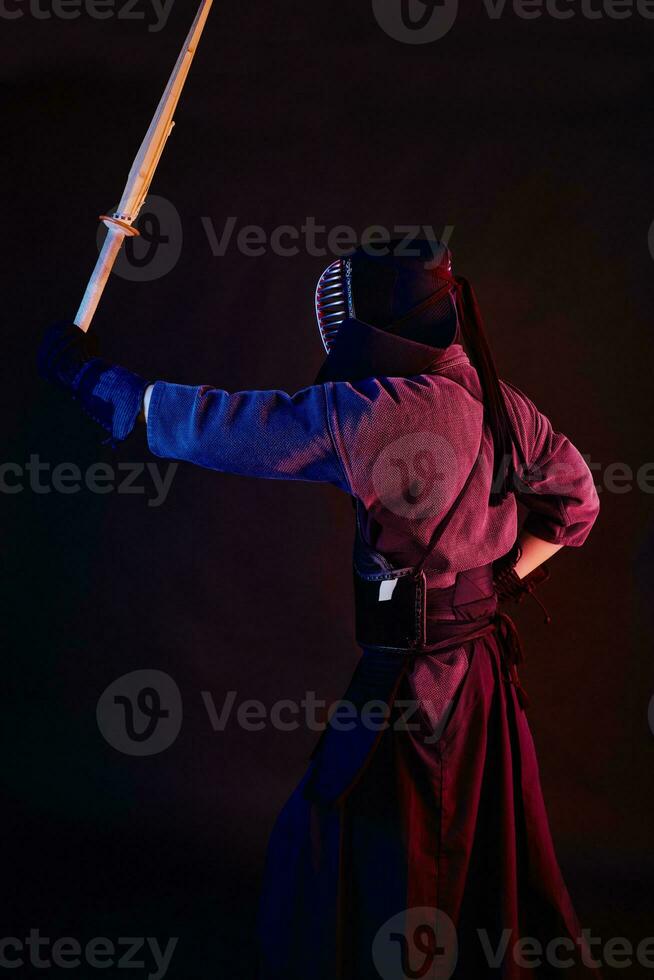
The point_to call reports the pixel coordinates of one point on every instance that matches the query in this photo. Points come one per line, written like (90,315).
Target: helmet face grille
(333,301)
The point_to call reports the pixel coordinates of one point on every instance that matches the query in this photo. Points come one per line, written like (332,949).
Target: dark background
(533,138)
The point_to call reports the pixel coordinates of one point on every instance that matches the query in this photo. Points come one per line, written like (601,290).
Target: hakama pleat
(452,824)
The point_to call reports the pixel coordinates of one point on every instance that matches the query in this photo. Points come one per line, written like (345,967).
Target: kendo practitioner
(440,812)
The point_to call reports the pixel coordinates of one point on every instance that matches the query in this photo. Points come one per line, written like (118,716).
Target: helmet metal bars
(334,300)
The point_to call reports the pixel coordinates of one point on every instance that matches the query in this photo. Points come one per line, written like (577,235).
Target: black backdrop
(532,139)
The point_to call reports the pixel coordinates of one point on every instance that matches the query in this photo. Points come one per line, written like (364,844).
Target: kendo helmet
(391,310)
(406,288)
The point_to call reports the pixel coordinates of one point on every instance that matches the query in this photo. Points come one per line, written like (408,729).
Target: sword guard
(125,226)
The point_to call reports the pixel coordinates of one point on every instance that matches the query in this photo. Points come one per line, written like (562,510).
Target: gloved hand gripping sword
(112,395)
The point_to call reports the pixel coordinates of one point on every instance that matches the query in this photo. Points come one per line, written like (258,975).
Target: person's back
(407,446)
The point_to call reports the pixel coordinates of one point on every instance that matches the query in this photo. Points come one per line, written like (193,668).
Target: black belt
(396,610)
(456,634)
(400,625)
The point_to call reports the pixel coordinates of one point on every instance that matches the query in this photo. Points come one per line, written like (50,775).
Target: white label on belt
(386,589)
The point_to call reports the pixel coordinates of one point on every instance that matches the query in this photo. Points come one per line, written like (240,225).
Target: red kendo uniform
(418,846)
(451,820)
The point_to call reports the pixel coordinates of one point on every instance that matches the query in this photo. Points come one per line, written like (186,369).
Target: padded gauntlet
(110,395)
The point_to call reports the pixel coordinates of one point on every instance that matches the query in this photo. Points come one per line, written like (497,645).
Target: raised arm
(267,434)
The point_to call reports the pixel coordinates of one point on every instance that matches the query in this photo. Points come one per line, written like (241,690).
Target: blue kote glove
(112,396)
